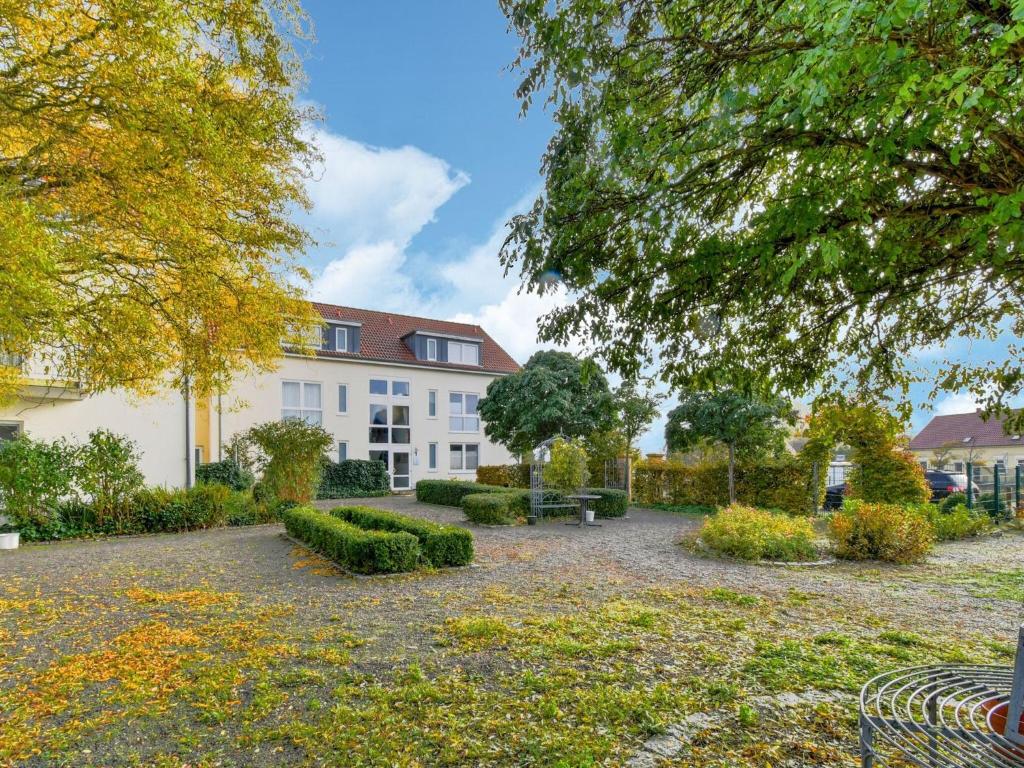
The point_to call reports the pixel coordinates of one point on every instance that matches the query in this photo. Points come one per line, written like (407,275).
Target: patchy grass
(550,676)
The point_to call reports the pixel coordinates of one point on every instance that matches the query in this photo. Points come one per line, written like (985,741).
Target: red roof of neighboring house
(944,430)
(382,338)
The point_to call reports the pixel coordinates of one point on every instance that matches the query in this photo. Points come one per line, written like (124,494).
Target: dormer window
(431,349)
(341,340)
(468,354)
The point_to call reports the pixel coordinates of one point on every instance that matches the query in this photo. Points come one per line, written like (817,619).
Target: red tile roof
(381,338)
(943,430)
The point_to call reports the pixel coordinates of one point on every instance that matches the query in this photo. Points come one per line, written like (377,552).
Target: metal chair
(953,716)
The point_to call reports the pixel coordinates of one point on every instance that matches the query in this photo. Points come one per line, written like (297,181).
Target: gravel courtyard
(560,646)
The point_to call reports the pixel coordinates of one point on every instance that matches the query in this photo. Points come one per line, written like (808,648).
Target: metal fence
(995,489)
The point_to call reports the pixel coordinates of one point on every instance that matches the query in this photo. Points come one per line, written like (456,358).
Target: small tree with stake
(635,409)
(746,426)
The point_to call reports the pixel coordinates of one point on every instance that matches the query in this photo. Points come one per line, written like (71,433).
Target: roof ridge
(398,314)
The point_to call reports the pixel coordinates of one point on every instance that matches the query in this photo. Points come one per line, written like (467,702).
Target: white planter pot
(9,540)
(590,515)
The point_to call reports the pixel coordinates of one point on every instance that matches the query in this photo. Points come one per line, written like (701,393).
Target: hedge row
(779,484)
(507,475)
(156,510)
(227,472)
(515,503)
(493,508)
(442,545)
(449,493)
(353,477)
(354,549)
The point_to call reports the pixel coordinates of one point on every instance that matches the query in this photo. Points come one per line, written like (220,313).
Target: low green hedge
(354,549)
(227,472)
(449,493)
(442,545)
(613,502)
(492,508)
(352,478)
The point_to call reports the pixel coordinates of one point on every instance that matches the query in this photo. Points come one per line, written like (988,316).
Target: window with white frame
(463,353)
(301,400)
(462,415)
(390,412)
(378,386)
(341,339)
(343,450)
(343,398)
(431,349)
(432,404)
(464,457)
(432,457)
(958,466)
(399,388)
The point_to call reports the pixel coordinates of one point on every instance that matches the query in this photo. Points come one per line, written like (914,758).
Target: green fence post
(1016,488)
(995,491)
(970,485)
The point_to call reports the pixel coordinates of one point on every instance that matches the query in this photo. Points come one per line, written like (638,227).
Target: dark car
(942,484)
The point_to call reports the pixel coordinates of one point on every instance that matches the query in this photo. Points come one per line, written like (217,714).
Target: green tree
(553,394)
(773,195)
(747,427)
(636,410)
(154,154)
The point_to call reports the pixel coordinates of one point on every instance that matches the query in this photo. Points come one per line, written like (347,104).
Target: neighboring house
(950,442)
(399,389)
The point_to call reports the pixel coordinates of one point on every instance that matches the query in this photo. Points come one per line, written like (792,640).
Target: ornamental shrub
(107,472)
(290,460)
(35,476)
(888,532)
(952,501)
(956,522)
(354,549)
(747,533)
(887,475)
(227,472)
(490,508)
(352,478)
(443,546)
(567,468)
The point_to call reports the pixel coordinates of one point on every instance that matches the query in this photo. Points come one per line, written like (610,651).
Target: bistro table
(584,500)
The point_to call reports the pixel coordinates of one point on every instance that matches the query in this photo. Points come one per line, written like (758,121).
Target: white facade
(155,424)
(357,401)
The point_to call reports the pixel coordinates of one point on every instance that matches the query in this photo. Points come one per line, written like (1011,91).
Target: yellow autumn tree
(152,155)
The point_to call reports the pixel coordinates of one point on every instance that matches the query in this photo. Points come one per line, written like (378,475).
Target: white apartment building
(394,388)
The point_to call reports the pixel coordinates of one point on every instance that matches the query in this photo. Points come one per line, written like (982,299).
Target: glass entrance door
(400,469)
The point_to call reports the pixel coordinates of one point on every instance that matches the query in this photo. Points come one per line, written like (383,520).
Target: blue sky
(426,156)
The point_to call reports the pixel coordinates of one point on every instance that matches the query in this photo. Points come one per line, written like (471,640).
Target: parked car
(942,484)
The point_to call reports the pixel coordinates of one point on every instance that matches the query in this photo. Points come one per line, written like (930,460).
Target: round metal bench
(958,716)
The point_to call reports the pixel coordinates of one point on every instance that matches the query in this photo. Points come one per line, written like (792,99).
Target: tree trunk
(732,474)
(629,474)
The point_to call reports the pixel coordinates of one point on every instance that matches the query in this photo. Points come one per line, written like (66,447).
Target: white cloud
(369,276)
(959,402)
(365,194)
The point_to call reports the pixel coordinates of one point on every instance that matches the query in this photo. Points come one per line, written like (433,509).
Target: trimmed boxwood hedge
(613,502)
(442,545)
(227,472)
(353,477)
(354,549)
(449,493)
(491,508)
